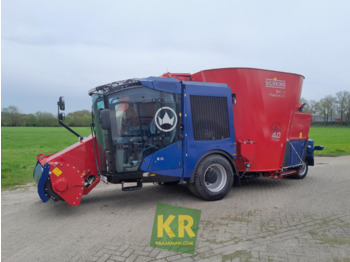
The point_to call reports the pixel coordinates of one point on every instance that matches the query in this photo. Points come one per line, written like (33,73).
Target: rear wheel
(213,178)
(302,171)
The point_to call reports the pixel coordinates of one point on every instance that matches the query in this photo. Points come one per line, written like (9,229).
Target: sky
(64,48)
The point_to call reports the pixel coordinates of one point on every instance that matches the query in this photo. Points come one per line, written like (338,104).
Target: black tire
(213,178)
(302,172)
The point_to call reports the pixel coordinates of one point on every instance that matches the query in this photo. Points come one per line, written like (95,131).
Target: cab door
(166,130)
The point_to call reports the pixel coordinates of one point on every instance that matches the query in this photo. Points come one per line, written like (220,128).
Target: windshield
(143,121)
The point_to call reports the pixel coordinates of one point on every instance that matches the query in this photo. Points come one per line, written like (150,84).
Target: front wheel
(213,178)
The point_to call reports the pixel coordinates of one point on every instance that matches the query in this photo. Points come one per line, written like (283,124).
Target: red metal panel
(300,126)
(69,169)
(246,152)
(179,76)
(266,101)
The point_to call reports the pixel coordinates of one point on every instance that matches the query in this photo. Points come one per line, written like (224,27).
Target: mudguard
(41,174)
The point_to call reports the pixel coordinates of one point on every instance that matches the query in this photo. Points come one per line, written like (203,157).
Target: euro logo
(175,228)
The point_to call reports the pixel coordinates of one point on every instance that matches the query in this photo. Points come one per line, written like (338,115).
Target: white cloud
(52,48)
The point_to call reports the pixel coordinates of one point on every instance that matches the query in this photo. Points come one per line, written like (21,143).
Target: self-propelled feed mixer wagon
(209,129)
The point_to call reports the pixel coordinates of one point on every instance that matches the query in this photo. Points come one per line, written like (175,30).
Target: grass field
(336,140)
(21,145)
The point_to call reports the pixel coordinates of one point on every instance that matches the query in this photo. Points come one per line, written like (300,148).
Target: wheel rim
(215,177)
(302,170)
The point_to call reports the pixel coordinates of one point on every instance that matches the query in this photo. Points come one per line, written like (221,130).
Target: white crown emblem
(166,120)
(160,122)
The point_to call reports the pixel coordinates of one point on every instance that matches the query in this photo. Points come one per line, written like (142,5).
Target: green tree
(79,118)
(46,119)
(347,109)
(327,107)
(342,103)
(11,116)
(30,120)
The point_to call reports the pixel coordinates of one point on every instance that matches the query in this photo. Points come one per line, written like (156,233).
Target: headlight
(38,170)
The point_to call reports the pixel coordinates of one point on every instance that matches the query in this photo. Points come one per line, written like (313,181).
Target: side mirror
(61,104)
(61,116)
(105,119)
(318,148)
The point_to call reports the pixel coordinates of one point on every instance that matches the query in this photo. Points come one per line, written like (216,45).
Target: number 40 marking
(276,135)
